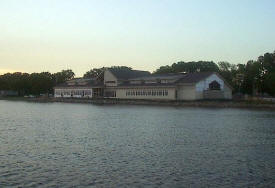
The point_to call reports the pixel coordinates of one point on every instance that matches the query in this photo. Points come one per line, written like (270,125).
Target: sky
(52,35)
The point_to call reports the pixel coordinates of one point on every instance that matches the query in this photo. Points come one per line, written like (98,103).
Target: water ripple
(78,145)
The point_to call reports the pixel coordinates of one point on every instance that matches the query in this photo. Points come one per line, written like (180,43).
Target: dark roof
(189,78)
(180,77)
(160,76)
(81,82)
(194,77)
(125,74)
(145,84)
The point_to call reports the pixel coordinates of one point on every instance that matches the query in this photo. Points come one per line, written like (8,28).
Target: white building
(79,88)
(133,84)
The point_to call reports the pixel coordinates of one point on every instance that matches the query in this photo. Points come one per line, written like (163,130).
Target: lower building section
(76,93)
(187,93)
(141,93)
(209,93)
(213,94)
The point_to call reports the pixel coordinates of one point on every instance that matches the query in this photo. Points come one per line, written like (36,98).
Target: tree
(268,62)
(241,68)
(225,66)
(94,73)
(189,67)
(164,69)
(252,77)
(24,83)
(229,72)
(63,76)
(98,72)
(35,83)
(41,83)
(269,83)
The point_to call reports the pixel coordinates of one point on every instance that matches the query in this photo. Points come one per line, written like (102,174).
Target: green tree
(94,73)
(229,72)
(63,76)
(164,69)
(252,77)
(41,83)
(269,83)
(189,67)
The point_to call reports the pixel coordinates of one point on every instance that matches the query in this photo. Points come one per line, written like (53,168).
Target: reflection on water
(67,145)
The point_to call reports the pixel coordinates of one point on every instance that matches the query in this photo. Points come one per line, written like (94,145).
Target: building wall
(227,92)
(109,79)
(146,93)
(187,92)
(204,85)
(73,92)
(110,93)
(213,94)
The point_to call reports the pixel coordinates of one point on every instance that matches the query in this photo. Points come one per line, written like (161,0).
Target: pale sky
(51,35)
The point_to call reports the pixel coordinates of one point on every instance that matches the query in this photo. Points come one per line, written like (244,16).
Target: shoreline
(248,104)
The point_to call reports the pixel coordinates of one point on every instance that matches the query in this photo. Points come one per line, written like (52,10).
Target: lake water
(84,145)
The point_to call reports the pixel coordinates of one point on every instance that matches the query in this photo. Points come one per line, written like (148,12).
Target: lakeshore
(249,104)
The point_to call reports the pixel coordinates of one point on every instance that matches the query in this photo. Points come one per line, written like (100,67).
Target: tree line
(254,77)
(35,83)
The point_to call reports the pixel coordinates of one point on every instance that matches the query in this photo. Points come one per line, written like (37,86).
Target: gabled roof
(194,77)
(147,85)
(198,76)
(125,74)
(178,77)
(80,82)
(167,76)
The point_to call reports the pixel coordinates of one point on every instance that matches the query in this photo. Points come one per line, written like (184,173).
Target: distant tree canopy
(35,83)
(199,66)
(259,75)
(63,76)
(96,72)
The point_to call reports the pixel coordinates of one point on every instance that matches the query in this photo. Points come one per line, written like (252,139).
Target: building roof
(80,82)
(146,84)
(177,78)
(168,76)
(133,75)
(125,74)
(194,77)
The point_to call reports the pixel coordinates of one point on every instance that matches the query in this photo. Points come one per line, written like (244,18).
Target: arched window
(214,85)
